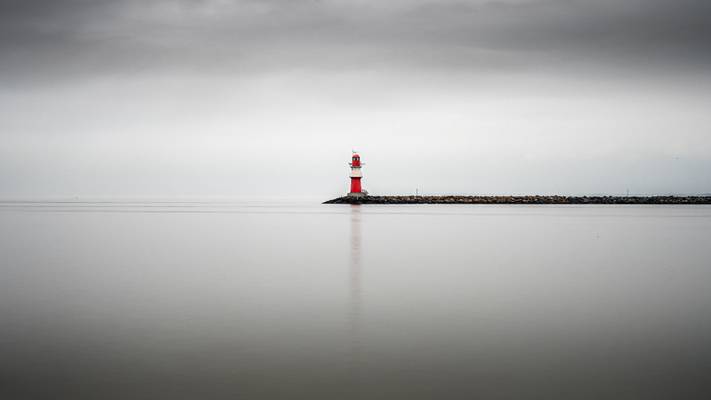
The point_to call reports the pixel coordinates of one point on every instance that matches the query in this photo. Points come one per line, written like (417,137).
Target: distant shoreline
(520,200)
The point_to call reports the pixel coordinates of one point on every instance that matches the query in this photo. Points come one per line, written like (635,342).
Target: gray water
(279,299)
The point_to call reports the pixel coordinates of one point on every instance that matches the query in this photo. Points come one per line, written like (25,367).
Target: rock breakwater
(521,200)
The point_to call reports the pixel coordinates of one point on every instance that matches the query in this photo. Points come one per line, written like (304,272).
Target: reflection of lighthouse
(356,294)
(356,176)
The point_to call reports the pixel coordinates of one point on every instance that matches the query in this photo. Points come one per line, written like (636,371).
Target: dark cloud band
(69,39)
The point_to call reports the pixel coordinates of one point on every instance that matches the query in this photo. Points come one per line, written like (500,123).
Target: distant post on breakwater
(356,176)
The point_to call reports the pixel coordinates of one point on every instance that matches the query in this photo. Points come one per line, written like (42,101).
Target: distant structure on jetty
(356,176)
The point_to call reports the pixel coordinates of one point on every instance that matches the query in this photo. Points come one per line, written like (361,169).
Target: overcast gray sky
(240,97)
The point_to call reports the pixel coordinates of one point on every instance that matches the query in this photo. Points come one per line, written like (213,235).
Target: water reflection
(355,292)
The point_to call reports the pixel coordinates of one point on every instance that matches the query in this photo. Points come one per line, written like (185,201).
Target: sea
(293,299)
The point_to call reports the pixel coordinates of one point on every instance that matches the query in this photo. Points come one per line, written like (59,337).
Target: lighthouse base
(357,194)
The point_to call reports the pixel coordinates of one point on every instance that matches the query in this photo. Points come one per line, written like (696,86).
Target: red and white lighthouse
(356,176)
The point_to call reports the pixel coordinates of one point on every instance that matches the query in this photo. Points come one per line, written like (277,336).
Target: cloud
(216,96)
(73,39)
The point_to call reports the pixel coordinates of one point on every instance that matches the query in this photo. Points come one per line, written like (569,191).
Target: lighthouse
(356,176)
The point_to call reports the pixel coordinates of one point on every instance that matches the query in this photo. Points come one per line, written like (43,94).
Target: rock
(368,199)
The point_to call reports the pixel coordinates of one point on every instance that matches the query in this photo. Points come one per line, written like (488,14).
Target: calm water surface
(280,299)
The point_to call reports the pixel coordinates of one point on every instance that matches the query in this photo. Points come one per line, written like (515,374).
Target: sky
(178,98)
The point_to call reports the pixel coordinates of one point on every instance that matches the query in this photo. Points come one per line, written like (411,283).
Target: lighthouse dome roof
(356,155)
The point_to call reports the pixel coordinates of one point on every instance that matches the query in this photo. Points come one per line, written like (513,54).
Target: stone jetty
(520,200)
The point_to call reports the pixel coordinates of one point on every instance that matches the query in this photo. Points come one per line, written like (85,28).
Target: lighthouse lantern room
(356,176)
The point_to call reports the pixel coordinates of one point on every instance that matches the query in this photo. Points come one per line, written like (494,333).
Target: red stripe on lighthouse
(355,185)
